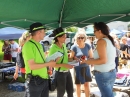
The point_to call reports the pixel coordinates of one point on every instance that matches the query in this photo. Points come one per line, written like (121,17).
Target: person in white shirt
(14,49)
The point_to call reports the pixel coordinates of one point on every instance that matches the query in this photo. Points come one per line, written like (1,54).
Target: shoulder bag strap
(62,58)
(41,54)
(38,49)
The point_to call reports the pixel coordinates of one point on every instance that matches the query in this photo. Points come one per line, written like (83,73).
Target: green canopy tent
(65,13)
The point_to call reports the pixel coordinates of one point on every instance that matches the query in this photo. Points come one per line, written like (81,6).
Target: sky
(117,25)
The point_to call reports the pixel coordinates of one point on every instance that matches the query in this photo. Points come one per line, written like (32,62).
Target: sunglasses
(80,37)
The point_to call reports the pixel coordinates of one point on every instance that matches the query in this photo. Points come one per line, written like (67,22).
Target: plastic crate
(19,87)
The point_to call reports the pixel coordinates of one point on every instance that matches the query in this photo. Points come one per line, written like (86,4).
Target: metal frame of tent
(118,16)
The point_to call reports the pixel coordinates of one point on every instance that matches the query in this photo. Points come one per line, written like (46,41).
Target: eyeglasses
(80,37)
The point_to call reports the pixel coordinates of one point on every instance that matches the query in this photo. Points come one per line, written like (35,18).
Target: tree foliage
(72,29)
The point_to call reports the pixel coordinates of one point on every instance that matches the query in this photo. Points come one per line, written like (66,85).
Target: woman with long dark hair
(104,60)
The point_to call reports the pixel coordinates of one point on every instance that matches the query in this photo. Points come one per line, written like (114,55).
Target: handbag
(52,81)
(53,78)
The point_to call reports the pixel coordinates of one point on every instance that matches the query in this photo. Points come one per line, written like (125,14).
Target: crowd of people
(102,53)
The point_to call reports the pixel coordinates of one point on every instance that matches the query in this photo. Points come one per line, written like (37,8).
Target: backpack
(20,60)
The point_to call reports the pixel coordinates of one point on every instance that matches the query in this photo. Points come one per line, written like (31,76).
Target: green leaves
(72,29)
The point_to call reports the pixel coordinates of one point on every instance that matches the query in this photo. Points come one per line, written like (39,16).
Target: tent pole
(61,13)
(69,22)
(14,20)
(113,14)
(11,25)
(89,19)
(116,18)
(50,23)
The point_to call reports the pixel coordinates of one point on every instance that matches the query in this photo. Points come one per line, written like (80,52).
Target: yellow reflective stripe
(60,34)
(38,28)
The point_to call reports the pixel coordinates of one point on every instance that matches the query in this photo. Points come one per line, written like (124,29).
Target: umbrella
(10,33)
(119,33)
(65,13)
(125,31)
(116,31)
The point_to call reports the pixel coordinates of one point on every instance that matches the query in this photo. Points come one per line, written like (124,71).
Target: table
(6,68)
(7,64)
(121,74)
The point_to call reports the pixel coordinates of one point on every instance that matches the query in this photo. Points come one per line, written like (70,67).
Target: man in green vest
(35,66)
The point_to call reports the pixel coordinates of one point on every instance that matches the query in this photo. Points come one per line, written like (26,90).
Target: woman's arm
(64,65)
(34,66)
(90,53)
(16,72)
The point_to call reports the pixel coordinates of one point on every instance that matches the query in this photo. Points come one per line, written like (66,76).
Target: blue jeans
(105,82)
(38,90)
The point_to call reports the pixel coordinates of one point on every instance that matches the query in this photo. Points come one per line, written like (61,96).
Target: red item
(83,57)
(68,54)
(22,70)
(50,71)
(7,57)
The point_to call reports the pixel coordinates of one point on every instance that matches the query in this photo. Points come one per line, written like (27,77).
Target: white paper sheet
(74,63)
(54,56)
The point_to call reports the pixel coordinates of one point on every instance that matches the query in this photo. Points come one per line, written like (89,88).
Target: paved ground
(4,92)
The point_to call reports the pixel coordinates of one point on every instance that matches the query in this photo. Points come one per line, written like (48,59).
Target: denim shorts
(105,82)
(82,75)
